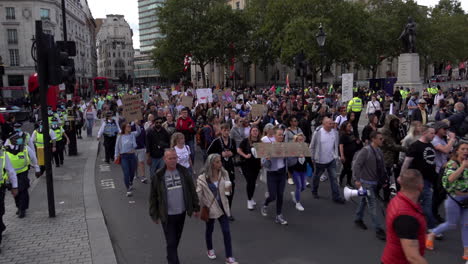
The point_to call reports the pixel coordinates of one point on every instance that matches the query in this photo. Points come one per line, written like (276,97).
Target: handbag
(117,160)
(463,204)
(205,211)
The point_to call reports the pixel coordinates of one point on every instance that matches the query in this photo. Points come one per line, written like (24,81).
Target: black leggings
(251,175)
(346,171)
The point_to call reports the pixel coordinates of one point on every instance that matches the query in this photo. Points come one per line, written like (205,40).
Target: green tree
(203,28)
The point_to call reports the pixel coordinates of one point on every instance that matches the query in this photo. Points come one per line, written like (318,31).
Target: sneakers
(144,180)
(253,202)
(360,224)
(250,205)
(267,194)
(211,254)
(293,197)
(131,187)
(129,193)
(437,237)
(280,220)
(315,195)
(290,181)
(299,207)
(380,234)
(323,178)
(263,210)
(231,260)
(307,184)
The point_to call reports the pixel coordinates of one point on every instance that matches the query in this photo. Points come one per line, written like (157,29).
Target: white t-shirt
(183,156)
(267,139)
(340,120)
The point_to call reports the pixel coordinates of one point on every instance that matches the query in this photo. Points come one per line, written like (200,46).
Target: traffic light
(60,67)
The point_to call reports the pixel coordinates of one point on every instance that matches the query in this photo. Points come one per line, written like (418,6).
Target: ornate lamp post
(321,37)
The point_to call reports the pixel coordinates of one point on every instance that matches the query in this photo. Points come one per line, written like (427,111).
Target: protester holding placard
(276,181)
(298,167)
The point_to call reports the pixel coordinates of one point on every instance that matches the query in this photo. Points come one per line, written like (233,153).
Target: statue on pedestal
(408,36)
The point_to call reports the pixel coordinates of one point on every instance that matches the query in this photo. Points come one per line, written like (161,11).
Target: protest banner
(280,150)
(258,110)
(204,96)
(187,101)
(131,105)
(347,86)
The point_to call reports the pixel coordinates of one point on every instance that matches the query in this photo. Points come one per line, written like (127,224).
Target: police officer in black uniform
(109,129)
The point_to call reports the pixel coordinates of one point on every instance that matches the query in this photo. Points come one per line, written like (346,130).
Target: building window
(14,57)
(15,80)
(113,54)
(47,31)
(10,13)
(45,13)
(237,5)
(12,36)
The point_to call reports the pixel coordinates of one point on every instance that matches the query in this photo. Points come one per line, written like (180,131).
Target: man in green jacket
(172,196)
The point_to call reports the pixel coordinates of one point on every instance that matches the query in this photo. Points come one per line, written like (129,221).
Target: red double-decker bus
(101,85)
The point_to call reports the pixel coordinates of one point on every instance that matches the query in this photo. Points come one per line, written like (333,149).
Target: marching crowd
(410,158)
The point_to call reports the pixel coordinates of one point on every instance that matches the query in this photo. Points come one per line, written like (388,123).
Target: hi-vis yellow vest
(2,167)
(20,161)
(355,105)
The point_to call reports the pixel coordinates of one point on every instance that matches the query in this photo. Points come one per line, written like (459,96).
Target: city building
(17,26)
(145,72)
(115,48)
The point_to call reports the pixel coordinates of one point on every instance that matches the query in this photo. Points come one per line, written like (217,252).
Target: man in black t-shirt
(421,157)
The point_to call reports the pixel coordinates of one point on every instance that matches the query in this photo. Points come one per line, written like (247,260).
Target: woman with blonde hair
(212,187)
(182,150)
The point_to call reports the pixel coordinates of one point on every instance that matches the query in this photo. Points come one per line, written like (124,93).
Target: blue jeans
(331,169)
(426,204)
(129,165)
(373,205)
(191,144)
(454,215)
(89,128)
(224,223)
(156,164)
(276,182)
(299,182)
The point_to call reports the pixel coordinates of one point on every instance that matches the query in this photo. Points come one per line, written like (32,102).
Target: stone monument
(408,62)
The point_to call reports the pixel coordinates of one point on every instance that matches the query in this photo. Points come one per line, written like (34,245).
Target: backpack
(200,137)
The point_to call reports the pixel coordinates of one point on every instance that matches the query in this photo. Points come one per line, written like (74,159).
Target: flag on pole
(287,83)
(273,88)
(187,61)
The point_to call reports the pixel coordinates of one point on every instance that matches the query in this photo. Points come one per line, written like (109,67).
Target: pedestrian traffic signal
(61,68)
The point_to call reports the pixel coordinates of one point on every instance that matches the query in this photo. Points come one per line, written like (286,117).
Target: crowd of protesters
(409,156)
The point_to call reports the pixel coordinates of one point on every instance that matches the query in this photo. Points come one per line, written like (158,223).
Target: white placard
(163,95)
(204,96)
(62,87)
(119,102)
(146,95)
(347,86)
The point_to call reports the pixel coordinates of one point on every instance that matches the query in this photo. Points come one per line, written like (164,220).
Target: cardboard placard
(279,150)
(131,105)
(258,110)
(187,101)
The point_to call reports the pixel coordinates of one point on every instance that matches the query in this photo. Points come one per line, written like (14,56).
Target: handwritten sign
(204,96)
(280,150)
(258,110)
(187,101)
(146,95)
(164,96)
(131,105)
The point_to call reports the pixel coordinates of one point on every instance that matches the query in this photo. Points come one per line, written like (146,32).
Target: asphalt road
(323,234)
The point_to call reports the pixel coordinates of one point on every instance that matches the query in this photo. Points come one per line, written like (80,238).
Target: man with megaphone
(368,173)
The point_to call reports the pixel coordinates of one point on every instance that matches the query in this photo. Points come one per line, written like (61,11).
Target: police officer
(8,175)
(355,105)
(17,127)
(21,156)
(60,142)
(109,129)
(37,138)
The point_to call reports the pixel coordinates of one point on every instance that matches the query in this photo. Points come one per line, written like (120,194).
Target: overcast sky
(129,8)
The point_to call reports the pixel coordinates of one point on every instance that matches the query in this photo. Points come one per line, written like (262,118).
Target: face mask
(17,129)
(49,112)
(19,141)
(40,127)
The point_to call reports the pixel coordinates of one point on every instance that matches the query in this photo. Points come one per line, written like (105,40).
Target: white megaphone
(348,193)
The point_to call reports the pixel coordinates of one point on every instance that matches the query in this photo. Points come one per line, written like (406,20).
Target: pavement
(323,234)
(77,234)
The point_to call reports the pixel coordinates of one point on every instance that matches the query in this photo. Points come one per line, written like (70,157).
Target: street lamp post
(321,36)
(245,59)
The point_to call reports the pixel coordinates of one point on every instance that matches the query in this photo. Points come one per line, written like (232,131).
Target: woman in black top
(349,145)
(372,126)
(226,147)
(250,165)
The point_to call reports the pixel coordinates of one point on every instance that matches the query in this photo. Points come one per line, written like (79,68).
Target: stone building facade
(17,28)
(115,48)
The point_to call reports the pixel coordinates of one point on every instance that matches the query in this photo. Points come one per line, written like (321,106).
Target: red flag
(273,88)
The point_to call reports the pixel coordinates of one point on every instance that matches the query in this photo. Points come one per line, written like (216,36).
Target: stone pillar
(409,72)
